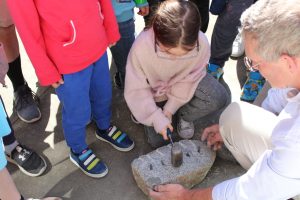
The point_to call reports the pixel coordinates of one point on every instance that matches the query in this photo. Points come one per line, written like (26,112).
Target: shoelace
(25,97)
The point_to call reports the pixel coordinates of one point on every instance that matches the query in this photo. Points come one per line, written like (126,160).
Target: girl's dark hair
(176,23)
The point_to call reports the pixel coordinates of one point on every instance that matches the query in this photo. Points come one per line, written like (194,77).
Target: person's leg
(246,130)
(25,102)
(100,99)
(210,99)
(225,30)
(74,96)
(121,50)
(8,188)
(28,161)
(76,109)
(203,7)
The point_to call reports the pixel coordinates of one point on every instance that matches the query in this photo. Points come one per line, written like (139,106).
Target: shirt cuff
(221,190)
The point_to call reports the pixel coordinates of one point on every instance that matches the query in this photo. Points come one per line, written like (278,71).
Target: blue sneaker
(215,70)
(252,86)
(89,163)
(118,139)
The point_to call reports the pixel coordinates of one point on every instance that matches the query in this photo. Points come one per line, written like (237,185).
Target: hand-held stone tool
(176,152)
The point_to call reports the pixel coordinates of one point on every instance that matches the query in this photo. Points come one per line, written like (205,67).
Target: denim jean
(226,29)
(84,94)
(121,49)
(209,100)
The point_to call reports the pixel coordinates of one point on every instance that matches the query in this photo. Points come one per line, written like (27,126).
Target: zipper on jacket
(74,35)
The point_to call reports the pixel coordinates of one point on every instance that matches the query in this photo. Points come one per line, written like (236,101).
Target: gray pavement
(64,179)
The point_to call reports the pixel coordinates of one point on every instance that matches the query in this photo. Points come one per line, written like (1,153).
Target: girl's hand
(164,131)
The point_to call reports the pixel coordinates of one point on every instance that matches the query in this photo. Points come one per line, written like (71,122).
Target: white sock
(9,148)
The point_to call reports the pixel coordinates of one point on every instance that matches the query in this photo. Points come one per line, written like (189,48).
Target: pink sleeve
(139,97)
(182,91)
(26,19)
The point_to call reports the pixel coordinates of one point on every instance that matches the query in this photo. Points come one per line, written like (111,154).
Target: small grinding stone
(156,168)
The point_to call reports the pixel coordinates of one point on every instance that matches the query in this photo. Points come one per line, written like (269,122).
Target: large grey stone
(156,168)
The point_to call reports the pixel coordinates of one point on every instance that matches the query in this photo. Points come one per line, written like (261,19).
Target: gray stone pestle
(176,152)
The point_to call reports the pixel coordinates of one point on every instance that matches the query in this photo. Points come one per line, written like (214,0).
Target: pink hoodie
(64,36)
(156,76)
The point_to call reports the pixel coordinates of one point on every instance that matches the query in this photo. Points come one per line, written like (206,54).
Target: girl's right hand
(164,131)
(58,83)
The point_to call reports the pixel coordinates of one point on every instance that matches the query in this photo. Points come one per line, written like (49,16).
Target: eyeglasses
(167,55)
(249,64)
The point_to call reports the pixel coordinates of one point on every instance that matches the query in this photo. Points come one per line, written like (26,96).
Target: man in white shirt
(266,141)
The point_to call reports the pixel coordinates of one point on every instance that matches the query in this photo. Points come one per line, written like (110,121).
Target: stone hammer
(176,151)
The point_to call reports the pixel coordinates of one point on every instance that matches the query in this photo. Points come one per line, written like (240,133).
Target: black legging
(203,6)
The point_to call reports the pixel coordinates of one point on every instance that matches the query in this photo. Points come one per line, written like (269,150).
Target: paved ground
(63,178)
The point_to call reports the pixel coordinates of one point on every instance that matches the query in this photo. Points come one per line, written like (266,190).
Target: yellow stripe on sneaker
(117,135)
(93,164)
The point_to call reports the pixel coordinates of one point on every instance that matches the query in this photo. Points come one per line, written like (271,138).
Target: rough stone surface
(156,168)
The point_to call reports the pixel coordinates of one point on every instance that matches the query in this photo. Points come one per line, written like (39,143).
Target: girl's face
(175,51)
(178,52)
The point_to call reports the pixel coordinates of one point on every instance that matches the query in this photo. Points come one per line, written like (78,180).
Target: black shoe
(26,104)
(118,82)
(155,140)
(28,161)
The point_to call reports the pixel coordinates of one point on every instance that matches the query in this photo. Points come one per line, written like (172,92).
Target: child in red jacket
(66,42)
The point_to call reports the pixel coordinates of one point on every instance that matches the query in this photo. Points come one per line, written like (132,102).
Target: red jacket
(64,36)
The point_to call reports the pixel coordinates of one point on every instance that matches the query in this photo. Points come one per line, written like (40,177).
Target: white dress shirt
(276,174)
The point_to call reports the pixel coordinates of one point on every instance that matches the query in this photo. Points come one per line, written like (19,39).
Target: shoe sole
(236,57)
(30,121)
(114,146)
(26,172)
(88,174)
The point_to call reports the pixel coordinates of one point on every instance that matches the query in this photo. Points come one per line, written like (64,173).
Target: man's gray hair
(275,24)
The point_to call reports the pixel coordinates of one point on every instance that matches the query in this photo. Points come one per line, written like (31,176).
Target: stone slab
(156,168)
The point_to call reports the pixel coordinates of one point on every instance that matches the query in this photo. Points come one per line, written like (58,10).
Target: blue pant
(84,95)
(121,49)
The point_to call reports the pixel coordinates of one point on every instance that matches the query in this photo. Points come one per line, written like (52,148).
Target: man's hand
(164,131)
(144,11)
(213,137)
(58,83)
(169,192)
(177,192)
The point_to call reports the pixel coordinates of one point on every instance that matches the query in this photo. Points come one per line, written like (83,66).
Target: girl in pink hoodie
(166,74)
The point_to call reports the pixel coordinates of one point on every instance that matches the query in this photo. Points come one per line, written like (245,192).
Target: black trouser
(203,6)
